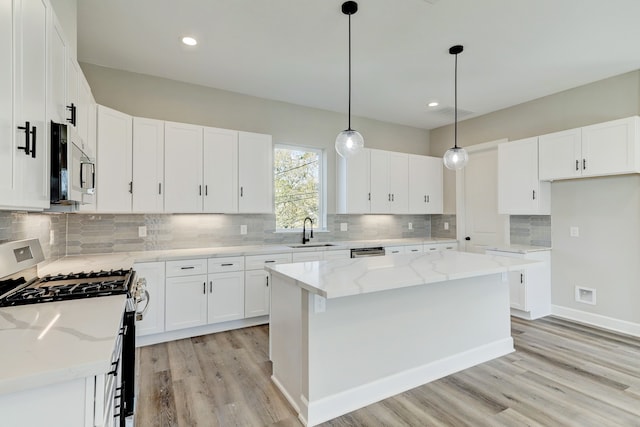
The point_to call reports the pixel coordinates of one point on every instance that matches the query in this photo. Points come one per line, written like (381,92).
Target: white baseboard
(598,320)
(144,340)
(285,393)
(347,401)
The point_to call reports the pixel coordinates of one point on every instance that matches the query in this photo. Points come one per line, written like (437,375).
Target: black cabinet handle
(467,238)
(534,194)
(159,188)
(206,190)
(204,288)
(93,175)
(584,164)
(191,267)
(33,142)
(269,261)
(389,196)
(577,165)
(241,191)
(425,199)
(369,196)
(267,281)
(211,286)
(521,278)
(27,133)
(72,110)
(131,187)
(199,190)
(428,201)
(227,264)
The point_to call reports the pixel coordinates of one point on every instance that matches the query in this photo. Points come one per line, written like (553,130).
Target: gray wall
(158,98)
(607,210)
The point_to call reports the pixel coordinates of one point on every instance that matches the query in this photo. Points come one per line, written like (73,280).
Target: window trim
(322,185)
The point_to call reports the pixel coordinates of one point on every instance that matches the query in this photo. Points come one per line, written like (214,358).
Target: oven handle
(140,314)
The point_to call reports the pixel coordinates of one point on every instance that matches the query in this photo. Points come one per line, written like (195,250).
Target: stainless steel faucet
(304,230)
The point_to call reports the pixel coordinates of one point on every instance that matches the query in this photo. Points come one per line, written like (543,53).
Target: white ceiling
(296,50)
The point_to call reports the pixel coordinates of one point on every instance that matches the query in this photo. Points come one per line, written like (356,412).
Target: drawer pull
(187,268)
(227,264)
(269,261)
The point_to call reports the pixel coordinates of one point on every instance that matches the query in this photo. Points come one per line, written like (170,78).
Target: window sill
(299,231)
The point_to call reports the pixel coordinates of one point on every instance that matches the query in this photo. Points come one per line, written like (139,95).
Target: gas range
(65,287)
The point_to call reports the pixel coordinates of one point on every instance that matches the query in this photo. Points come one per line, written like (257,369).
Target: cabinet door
(256,293)
(30,49)
(220,154)
(185,302)
(183,169)
(153,313)
(57,73)
(83,111)
(517,290)
(425,184)
(226,297)
(560,155)
(7,151)
(519,190)
(380,194)
(354,192)
(398,182)
(114,179)
(610,148)
(73,76)
(255,173)
(148,165)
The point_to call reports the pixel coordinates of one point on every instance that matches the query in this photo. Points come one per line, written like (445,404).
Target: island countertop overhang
(343,278)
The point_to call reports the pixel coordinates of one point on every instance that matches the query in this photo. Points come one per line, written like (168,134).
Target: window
(298,182)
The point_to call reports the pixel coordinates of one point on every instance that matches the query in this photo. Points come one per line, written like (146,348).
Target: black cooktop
(65,287)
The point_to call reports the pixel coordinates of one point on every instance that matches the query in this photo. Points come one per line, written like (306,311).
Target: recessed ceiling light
(433,104)
(189,41)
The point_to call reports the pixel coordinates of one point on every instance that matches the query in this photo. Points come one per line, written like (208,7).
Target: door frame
(460,194)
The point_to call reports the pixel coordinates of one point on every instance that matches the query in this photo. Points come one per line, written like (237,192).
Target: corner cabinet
(255,173)
(609,148)
(520,191)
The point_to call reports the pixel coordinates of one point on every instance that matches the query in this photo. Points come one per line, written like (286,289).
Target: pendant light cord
(455,98)
(349,128)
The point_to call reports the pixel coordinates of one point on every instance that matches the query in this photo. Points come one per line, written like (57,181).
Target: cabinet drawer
(307,256)
(258,262)
(189,267)
(337,254)
(411,249)
(219,265)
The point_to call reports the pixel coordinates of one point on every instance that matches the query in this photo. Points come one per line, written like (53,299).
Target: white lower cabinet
(257,293)
(151,317)
(226,289)
(530,289)
(186,302)
(320,255)
(431,247)
(393,250)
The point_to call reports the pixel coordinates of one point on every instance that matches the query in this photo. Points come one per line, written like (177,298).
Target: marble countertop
(49,343)
(75,263)
(341,278)
(518,249)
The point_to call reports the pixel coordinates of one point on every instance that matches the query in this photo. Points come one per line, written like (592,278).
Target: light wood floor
(561,374)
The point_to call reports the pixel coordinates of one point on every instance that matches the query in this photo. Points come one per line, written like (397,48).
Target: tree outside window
(298,186)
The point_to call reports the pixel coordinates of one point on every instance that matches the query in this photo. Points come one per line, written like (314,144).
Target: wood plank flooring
(561,374)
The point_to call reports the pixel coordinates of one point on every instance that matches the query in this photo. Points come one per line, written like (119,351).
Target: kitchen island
(347,333)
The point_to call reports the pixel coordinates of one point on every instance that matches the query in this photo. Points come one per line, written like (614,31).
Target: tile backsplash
(106,233)
(51,230)
(530,230)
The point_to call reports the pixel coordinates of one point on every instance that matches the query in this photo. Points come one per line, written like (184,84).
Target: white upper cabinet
(8,183)
(114,179)
(354,192)
(255,173)
(29,166)
(86,105)
(609,148)
(183,169)
(520,191)
(220,156)
(57,73)
(389,182)
(73,77)
(425,185)
(148,165)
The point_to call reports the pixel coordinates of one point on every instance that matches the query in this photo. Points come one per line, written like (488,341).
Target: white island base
(332,356)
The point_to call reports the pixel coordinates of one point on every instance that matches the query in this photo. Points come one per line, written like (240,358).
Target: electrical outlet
(446,225)
(343,226)
(574,231)
(410,226)
(142,231)
(243,229)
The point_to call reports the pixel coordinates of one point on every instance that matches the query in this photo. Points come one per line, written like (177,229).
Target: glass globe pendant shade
(455,158)
(349,143)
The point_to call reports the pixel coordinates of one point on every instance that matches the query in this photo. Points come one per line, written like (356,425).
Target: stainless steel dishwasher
(364,252)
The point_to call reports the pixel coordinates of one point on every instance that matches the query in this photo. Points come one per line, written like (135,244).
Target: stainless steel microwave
(72,171)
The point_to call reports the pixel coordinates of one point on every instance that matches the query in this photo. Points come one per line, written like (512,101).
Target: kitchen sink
(312,245)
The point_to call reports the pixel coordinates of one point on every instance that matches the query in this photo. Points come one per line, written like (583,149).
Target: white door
(399,182)
(380,194)
(114,182)
(183,169)
(560,155)
(57,73)
(477,200)
(256,293)
(609,148)
(354,192)
(226,297)
(153,318)
(518,184)
(255,173)
(148,165)
(220,169)
(186,302)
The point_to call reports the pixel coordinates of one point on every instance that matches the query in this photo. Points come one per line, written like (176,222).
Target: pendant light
(456,157)
(349,142)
